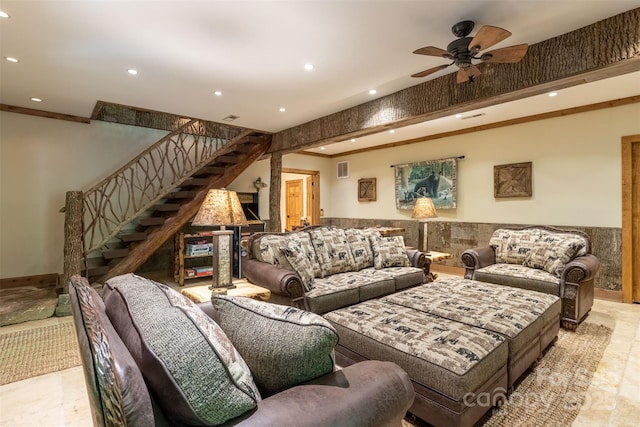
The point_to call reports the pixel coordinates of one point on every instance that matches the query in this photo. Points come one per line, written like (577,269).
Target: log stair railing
(116,225)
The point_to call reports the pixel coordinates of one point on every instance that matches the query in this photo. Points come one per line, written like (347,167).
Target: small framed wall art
(367,190)
(512,180)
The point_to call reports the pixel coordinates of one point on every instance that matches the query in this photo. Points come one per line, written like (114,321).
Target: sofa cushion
(403,277)
(360,247)
(519,276)
(298,258)
(389,252)
(333,250)
(305,240)
(512,246)
(190,365)
(553,251)
(282,345)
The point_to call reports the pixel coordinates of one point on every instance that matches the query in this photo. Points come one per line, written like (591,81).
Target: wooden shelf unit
(184,262)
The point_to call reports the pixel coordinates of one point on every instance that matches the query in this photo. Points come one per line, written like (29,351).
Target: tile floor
(613,398)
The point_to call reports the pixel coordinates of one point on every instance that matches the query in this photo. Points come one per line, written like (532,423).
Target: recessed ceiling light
(458,115)
(392,131)
(372,91)
(132,71)
(11,59)
(282,109)
(217,93)
(322,148)
(230,118)
(3,14)
(308,67)
(353,140)
(553,93)
(34,99)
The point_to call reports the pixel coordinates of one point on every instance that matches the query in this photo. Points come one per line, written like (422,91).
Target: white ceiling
(75,53)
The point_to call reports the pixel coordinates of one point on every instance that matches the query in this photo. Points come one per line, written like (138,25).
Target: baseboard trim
(39,281)
(607,295)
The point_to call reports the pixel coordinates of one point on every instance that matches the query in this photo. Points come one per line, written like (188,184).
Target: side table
(243,288)
(434,257)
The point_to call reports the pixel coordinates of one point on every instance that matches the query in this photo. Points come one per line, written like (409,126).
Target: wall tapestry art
(431,178)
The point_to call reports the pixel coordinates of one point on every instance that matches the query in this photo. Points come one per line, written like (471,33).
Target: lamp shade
(424,208)
(220,207)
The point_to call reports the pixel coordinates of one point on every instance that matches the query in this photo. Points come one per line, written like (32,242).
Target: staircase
(128,216)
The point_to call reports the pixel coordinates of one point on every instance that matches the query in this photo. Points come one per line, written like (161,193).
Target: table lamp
(423,209)
(221,208)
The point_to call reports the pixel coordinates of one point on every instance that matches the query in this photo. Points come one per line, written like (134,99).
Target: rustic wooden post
(73,213)
(275,223)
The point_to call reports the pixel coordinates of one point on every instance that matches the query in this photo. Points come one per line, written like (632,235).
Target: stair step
(99,270)
(244,148)
(132,237)
(181,195)
(213,170)
(196,182)
(151,220)
(166,207)
(115,253)
(227,160)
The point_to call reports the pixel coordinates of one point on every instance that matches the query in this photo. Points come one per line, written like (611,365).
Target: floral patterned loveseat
(539,258)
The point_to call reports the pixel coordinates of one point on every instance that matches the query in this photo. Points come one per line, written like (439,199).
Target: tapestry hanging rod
(407,164)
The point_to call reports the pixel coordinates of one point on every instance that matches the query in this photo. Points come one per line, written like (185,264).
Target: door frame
(628,249)
(315,195)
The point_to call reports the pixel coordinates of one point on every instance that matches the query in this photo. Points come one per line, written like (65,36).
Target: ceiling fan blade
(486,37)
(509,54)
(430,71)
(467,74)
(433,51)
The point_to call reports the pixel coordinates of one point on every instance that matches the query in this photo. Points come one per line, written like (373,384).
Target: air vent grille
(343,169)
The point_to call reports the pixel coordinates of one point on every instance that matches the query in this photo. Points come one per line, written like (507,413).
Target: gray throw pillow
(283,346)
(188,362)
(389,252)
(297,257)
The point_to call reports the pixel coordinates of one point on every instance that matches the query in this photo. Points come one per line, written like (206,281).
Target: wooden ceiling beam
(605,49)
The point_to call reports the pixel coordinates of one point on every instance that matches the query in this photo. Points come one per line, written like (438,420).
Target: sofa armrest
(477,258)
(417,258)
(369,393)
(278,280)
(580,269)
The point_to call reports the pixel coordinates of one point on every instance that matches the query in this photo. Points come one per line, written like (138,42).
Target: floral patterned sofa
(321,268)
(540,258)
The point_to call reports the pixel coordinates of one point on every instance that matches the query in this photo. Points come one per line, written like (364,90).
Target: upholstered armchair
(539,258)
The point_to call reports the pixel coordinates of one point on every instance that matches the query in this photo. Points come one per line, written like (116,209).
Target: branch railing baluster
(124,195)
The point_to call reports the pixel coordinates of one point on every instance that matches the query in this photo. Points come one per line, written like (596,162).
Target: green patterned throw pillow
(283,346)
(187,360)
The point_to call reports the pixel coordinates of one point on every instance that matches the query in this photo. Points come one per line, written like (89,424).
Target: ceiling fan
(463,50)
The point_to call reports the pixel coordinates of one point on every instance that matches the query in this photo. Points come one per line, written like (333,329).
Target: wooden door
(293,190)
(631,218)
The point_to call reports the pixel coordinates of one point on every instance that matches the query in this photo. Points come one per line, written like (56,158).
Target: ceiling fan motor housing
(460,51)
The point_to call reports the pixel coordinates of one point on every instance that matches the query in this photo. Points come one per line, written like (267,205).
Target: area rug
(38,351)
(552,393)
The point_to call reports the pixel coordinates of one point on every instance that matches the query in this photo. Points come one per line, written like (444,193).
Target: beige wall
(576,172)
(576,176)
(40,160)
